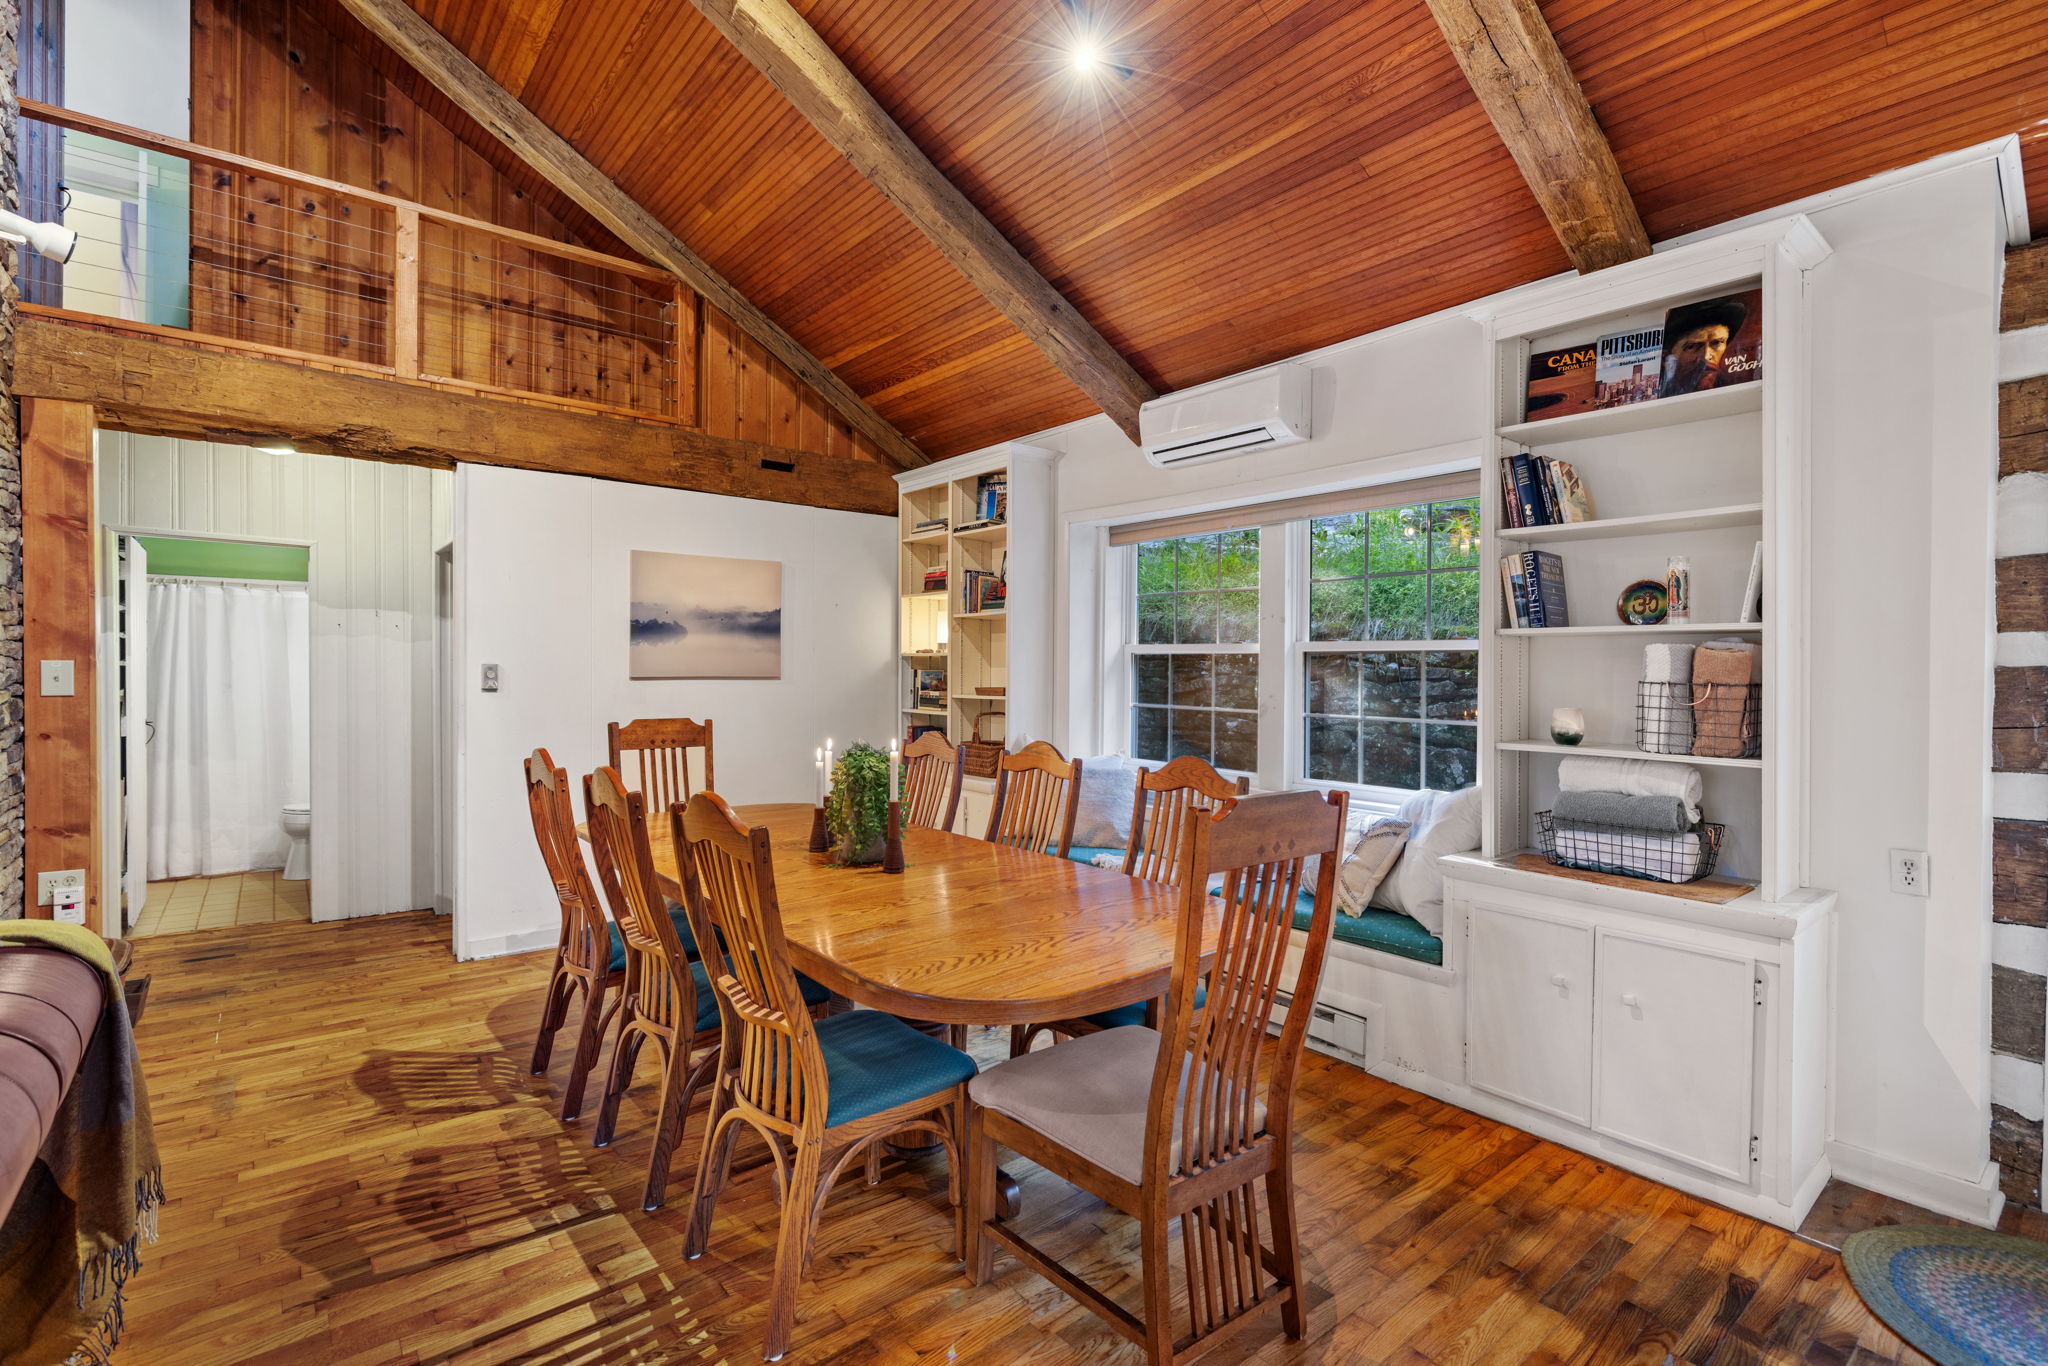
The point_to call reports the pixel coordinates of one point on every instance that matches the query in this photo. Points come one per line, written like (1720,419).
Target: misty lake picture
(704,616)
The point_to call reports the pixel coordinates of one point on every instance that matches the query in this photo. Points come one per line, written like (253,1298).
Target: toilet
(298,826)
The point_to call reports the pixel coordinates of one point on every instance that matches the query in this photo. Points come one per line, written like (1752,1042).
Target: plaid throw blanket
(70,1242)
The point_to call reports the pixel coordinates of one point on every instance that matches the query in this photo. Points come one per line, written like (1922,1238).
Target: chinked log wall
(2019,972)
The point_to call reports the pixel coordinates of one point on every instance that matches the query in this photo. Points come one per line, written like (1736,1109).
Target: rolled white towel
(1665,663)
(1634,778)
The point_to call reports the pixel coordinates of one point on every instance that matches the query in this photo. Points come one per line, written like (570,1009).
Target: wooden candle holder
(820,841)
(892,845)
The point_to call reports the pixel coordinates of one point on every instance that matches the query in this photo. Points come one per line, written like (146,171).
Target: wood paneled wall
(298,83)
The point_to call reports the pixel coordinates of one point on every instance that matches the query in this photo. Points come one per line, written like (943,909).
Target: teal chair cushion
(676,917)
(1085,853)
(814,993)
(874,1061)
(1135,1014)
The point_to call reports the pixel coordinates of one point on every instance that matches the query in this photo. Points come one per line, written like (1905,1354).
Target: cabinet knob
(1557,979)
(1631,1000)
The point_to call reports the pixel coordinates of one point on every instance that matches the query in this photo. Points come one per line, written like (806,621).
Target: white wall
(542,584)
(130,61)
(372,589)
(1904,457)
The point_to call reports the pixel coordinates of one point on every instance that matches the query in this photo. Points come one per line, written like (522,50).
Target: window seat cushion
(1086,853)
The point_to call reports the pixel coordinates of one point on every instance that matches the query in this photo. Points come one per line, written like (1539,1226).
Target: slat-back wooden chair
(1184,1122)
(660,751)
(583,954)
(819,1093)
(1038,794)
(1164,812)
(668,999)
(931,782)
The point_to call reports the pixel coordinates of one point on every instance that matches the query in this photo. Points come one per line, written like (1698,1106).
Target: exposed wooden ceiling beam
(1527,88)
(789,52)
(169,387)
(396,24)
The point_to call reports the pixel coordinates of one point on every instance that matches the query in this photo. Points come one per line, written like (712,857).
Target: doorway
(206,714)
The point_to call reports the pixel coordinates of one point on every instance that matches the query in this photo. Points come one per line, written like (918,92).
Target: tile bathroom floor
(208,903)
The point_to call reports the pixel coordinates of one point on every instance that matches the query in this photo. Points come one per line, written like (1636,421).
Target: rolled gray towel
(1651,815)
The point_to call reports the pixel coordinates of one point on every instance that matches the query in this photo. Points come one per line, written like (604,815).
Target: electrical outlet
(1909,872)
(49,886)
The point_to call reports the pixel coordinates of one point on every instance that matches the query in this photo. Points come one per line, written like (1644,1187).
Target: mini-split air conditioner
(1234,416)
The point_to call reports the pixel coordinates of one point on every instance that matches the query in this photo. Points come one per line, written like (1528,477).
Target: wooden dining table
(969,932)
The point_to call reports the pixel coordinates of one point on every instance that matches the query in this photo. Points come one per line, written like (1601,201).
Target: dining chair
(931,782)
(1184,1122)
(583,953)
(668,999)
(1164,811)
(1038,794)
(819,1092)
(660,751)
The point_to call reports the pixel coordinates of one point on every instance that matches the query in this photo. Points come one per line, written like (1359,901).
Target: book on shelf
(1541,490)
(918,732)
(934,580)
(1626,367)
(991,499)
(934,524)
(1753,591)
(1560,381)
(982,591)
(1712,344)
(1533,581)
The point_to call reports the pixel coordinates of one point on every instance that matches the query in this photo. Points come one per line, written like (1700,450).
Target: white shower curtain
(228,703)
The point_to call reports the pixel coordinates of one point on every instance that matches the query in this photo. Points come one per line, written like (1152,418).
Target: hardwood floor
(360,1171)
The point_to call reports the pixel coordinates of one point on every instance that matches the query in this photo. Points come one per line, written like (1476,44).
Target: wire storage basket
(1629,852)
(1712,720)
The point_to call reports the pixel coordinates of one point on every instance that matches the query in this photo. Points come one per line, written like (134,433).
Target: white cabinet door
(976,797)
(1676,1028)
(1529,1011)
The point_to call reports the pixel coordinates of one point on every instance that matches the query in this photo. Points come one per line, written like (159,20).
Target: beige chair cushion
(1088,1096)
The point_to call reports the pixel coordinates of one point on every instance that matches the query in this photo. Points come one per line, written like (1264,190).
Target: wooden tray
(1717,891)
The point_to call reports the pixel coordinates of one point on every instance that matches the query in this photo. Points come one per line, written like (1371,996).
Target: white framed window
(1336,648)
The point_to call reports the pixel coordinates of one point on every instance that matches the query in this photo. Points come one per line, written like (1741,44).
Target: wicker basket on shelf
(1631,853)
(979,757)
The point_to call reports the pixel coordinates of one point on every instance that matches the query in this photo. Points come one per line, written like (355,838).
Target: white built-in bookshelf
(1678,1029)
(1707,476)
(940,631)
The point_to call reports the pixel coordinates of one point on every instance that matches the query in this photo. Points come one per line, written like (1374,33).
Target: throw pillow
(1367,858)
(1109,786)
(1444,823)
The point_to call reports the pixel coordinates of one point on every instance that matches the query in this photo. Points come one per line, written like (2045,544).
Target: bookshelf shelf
(1690,628)
(922,537)
(1620,751)
(1654,524)
(924,711)
(981,616)
(1638,417)
(983,533)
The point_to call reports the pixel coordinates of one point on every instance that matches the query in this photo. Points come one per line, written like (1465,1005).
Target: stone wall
(11,899)
(2019,737)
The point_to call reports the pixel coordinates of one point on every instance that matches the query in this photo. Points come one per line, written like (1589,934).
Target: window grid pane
(1387,718)
(1197,590)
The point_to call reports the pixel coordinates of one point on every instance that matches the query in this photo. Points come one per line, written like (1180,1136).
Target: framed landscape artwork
(705,616)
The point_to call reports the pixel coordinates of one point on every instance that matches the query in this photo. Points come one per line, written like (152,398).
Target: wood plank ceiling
(1266,179)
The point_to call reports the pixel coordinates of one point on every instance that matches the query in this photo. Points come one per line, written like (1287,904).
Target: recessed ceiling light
(1086,55)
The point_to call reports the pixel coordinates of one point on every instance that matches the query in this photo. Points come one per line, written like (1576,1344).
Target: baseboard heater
(1333,1028)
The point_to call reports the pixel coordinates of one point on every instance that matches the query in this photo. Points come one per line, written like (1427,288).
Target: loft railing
(174,236)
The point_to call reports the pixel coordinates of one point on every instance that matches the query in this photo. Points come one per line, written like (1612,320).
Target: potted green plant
(857,810)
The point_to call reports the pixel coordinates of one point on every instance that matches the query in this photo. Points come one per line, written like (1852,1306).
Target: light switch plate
(58,675)
(490,678)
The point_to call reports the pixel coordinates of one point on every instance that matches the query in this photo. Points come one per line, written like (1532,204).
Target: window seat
(1384,931)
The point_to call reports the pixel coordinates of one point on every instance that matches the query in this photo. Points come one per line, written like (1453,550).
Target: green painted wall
(224,559)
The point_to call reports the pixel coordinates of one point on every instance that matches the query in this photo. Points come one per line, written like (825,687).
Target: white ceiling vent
(1235,416)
